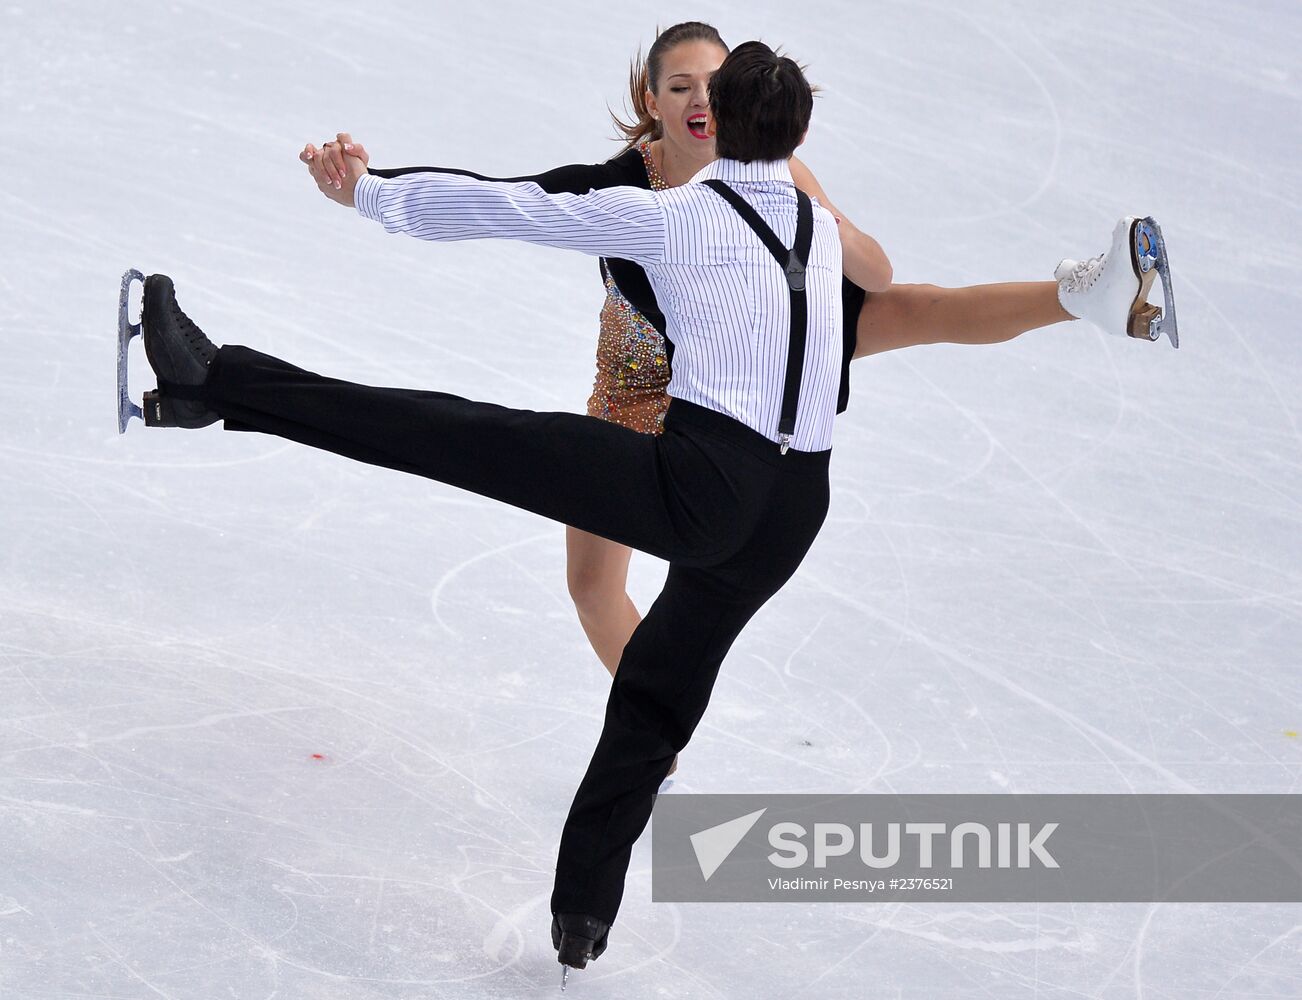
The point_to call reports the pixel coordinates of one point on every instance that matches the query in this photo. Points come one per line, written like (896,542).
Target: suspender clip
(784,442)
(795,273)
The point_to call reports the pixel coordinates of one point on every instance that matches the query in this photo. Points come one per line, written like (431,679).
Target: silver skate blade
(126,330)
(1166,323)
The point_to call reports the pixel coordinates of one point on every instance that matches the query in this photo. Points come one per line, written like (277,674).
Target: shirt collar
(735,170)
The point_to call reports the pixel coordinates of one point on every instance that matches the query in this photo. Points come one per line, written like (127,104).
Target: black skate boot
(578,939)
(180,354)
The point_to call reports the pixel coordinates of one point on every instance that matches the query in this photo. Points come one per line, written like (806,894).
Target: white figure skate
(1111,290)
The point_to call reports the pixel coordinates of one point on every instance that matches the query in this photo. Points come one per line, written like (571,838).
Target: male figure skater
(732,494)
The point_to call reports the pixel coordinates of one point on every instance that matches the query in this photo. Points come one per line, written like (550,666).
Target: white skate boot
(1111,290)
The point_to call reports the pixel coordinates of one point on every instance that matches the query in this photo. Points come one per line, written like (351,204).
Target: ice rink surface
(273,725)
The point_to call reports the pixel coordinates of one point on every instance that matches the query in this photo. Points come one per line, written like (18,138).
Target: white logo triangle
(713,846)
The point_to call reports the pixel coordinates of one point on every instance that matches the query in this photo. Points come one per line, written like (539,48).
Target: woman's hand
(331,157)
(336,167)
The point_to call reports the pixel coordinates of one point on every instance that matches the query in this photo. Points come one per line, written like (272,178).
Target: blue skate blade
(126,330)
(1167,324)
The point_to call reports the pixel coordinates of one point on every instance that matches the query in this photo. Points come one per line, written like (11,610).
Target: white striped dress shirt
(726,302)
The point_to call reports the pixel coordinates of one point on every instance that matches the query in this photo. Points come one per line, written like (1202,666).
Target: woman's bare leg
(905,315)
(597,572)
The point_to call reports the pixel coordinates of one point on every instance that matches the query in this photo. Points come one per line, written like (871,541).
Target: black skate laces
(195,338)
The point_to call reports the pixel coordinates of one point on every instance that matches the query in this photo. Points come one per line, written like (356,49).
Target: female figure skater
(666,145)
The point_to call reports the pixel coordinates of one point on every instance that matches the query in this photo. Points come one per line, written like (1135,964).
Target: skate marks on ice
(811,741)
(1288,403)
(229,838)
(1014,173)
(1110,748)
(505,567)
(1050,172)
(959,930)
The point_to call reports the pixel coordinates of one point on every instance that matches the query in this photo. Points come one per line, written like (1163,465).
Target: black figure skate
(177,350)
(578,939)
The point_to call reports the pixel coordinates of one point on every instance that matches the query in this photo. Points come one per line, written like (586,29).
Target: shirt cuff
(366,196)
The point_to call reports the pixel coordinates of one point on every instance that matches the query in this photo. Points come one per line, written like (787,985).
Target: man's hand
(336,167)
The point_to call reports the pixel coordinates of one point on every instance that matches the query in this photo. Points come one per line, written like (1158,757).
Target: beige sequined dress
(632,379)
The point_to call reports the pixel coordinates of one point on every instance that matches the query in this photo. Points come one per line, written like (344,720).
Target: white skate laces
(1111,289)
(1080,275)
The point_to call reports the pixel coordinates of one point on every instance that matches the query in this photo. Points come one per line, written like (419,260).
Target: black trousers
(732,516)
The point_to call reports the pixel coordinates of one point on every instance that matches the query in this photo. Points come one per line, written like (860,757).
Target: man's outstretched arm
(616,222)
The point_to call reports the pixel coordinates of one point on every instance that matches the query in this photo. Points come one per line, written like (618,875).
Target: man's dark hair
(761,104)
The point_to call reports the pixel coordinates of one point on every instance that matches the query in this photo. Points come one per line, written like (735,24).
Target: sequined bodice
(632,365)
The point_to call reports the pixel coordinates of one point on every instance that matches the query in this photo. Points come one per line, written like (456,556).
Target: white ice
(1068,564)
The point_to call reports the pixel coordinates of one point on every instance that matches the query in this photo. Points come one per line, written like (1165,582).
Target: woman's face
(684,99)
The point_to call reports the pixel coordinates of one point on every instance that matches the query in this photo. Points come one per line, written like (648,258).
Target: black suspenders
(792,261)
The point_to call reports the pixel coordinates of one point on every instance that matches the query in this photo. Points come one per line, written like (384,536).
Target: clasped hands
(336,167)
